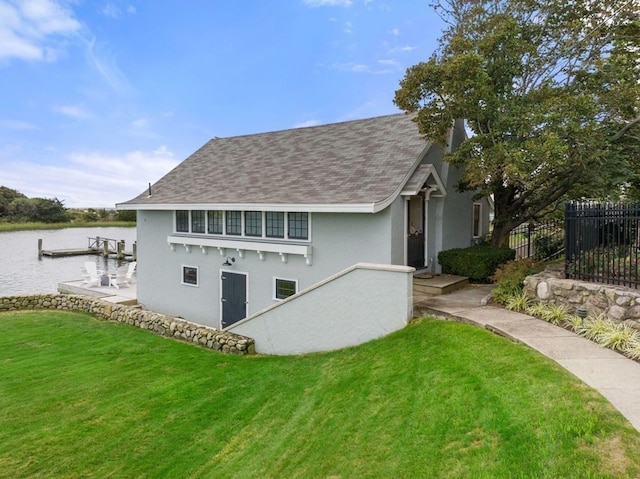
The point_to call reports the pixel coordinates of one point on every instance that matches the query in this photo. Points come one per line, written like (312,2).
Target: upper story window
(234,223)
(299,225)
(250,224)
(275,224)
(182,221)
(253,223)
(215,222)
(197,221)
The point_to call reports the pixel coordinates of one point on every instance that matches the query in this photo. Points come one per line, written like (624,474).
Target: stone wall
(158,323)
(617,303)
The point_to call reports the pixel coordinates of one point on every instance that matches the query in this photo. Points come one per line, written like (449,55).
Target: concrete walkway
(616,377)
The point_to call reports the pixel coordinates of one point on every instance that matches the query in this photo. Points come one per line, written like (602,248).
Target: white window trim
(182,267)
(274,289)
(242,234)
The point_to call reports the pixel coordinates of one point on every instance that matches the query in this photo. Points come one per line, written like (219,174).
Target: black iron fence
(602,243)
(542,241)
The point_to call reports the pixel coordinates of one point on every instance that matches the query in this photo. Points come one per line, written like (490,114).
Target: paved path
(617,378)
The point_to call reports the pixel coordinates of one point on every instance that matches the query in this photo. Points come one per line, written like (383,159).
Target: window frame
(182,221)
(198,218)
(275,287)
(476,222)
(289,226)
(306,222)
(183,273)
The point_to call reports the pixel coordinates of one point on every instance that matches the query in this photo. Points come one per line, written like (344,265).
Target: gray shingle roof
(362,162)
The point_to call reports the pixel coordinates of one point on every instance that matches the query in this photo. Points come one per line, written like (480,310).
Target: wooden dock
(99,246)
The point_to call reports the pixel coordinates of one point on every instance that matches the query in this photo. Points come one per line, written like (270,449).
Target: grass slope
(84,398)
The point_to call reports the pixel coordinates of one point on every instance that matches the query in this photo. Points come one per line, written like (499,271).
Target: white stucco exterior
(357,305)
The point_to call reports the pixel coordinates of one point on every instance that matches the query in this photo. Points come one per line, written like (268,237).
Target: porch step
(436,284)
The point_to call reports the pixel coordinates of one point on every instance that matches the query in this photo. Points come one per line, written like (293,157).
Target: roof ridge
(323,125)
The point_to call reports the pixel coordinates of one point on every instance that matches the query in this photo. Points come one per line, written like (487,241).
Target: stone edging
(615,302)
(168,326)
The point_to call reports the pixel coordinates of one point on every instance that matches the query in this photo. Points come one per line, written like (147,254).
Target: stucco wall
(338,241)
(357,305)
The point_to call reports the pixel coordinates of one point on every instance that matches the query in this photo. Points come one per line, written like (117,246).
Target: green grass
(6,227)
(85,398)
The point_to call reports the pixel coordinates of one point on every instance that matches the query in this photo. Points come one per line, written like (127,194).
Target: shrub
(518,302)
(509,278)
(477,263)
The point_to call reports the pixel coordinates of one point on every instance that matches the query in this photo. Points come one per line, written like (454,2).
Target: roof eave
(311,208)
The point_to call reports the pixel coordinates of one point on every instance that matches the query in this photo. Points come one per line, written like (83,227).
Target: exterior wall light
(229,261)
(581,311)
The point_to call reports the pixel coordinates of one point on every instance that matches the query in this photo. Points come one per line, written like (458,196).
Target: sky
(99,98)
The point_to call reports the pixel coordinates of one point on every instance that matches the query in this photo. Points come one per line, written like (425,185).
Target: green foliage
(126,215)
(7,195)
(87,398)
(549,91)
(548,246)
(509,278)
(478,263)
(518,302)
(37,210)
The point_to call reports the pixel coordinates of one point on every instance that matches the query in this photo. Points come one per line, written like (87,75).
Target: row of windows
(257,224)
(282,288)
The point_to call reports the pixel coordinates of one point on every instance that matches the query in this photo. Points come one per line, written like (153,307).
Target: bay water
(23,272)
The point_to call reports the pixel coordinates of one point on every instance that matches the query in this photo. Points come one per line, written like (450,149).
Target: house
(245,222)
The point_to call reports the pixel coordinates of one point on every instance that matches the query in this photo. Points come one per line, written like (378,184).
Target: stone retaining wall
(158,323)
(615,302)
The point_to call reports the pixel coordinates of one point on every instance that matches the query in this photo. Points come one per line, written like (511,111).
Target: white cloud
(107,67)
(78,112)
(140,123)
(347,27)
(359,68)
(307,123)
(17,125)
(328,3)
(111,10)
(29,29)
(394,31)
(89,179)
(389,62)
(114,11)
(406,48)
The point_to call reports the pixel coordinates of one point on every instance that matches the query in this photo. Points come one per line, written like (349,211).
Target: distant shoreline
(7,227)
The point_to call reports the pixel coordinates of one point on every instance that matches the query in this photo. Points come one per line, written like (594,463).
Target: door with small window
(416,233)
(233,296)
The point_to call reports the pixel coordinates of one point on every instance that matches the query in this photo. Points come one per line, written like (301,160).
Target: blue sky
(101,97)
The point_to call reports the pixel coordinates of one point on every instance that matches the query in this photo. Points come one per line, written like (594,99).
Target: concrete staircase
(427,284)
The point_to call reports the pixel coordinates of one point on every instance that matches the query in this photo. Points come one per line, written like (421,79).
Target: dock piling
(40,248)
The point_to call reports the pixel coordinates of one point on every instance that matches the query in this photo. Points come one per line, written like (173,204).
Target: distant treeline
(17,208)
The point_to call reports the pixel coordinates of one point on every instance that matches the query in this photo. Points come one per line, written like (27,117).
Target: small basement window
(285,288)
(190,275)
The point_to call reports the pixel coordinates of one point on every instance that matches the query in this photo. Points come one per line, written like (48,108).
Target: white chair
(119,279)
(90,275)
(131,272)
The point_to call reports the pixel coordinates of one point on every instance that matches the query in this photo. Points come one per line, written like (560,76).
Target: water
(22,272)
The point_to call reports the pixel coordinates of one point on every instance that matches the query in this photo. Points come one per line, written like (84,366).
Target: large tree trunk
(500,235)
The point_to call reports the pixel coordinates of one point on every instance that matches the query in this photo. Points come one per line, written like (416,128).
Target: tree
(549,91)
(41,210)
(7,195)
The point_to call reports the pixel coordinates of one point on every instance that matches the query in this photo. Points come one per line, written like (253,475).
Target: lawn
(86,398)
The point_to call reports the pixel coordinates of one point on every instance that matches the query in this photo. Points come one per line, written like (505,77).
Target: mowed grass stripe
(81,397)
